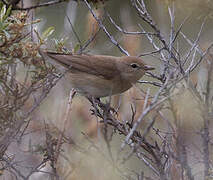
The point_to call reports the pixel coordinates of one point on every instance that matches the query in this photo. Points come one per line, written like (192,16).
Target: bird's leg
(91,99)
(105,107)
(72,93)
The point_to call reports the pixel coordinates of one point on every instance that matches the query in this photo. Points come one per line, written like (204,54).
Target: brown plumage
(98,75)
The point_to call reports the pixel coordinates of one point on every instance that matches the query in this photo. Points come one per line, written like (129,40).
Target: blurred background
(85,154)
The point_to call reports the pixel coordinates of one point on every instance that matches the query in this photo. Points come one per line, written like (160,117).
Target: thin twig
(59,143)
(40,5)
(195,44)
(90,40)
(153,104)
(75,33)
(127,32)
(112,39)
(150,82)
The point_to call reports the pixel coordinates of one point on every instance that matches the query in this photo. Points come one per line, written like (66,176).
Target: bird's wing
(97,65)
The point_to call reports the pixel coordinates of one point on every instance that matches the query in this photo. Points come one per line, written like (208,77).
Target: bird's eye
(134,65)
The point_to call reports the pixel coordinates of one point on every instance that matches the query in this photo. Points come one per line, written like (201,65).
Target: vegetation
(159,130)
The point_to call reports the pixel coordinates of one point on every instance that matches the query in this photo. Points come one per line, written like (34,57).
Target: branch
(112,39)
(128,32)
(40,5)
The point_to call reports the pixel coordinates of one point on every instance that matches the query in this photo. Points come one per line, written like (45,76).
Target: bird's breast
(97,86)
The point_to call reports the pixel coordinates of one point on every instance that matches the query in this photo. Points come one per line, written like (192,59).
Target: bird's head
(132,68)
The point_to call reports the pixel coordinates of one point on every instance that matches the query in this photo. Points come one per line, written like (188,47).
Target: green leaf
(77,47)
(1,25)
(47,32)
(2,13)
(8,12)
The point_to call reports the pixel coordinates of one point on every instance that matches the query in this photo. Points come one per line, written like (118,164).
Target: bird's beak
(148,68)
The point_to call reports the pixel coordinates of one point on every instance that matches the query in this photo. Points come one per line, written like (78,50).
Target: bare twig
(153,104)
(150,82)
(127,32)
(59,143)
(75,33)
(194,45)
(40,5)
(112,39)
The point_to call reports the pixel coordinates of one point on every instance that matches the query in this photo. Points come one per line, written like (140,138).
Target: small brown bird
(98,75)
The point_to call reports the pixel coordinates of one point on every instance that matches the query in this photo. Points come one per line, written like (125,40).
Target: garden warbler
(98,75)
